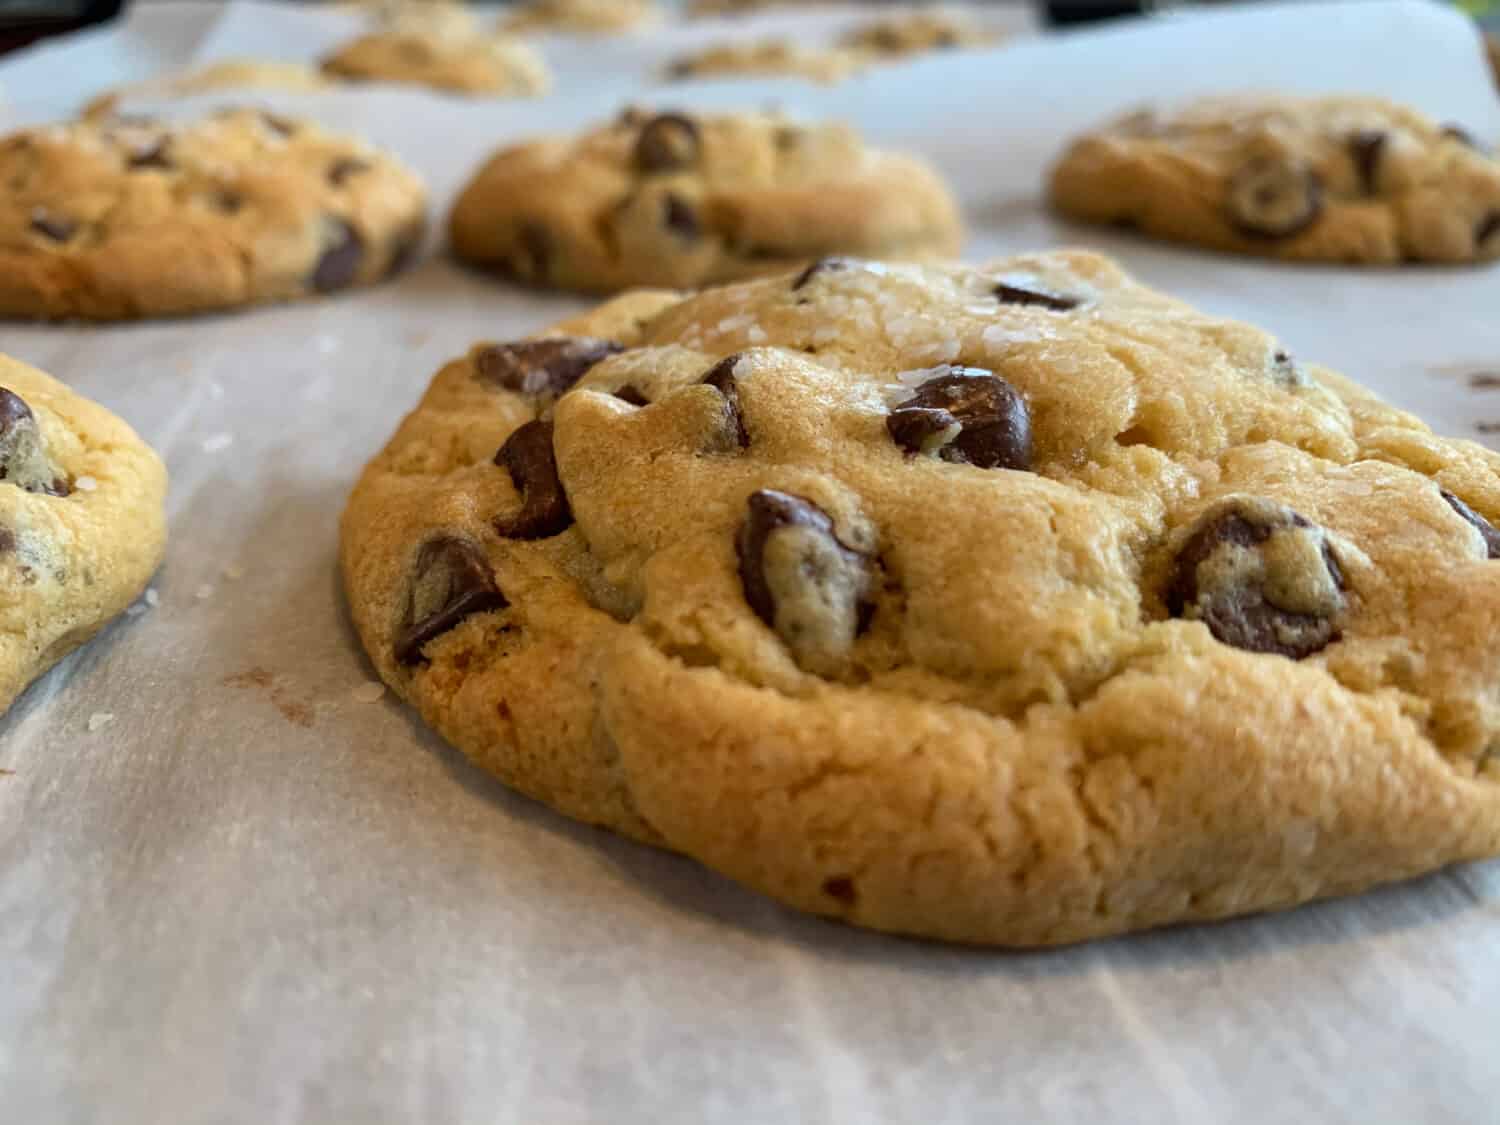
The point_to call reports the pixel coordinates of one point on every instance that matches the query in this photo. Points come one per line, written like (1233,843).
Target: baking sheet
(232,892)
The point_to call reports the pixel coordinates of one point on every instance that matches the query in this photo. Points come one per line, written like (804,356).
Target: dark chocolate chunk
(1282,598)
(1274,199)
(1011,294)
(1365,148)
(23,457)
(680,218)
(344,167)
(527,455)
(452,581)
(55,227)
(341,259)
(800,579)
(669,142)
(968,416)
(545,368)
(153,155)
(1485,528)
(721,378)
(822,265)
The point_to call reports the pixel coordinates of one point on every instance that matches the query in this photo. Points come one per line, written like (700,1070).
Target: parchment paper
(231,892)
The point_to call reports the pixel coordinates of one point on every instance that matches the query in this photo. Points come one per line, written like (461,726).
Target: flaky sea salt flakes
(217,442)
(368,693)
(84,484)
(153,599)
(755,334)
(99,720)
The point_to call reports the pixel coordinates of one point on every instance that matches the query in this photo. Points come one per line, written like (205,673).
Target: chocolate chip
(721,378)
(1274,199)
(787,137)
(7,541)
(632,117)
(341,259)
(281,126)
(527,455)
(668,142)
(968,416)
(679,217)
(1287,371)
(153,155)
(1486,228)
(822,265)
(452,581)
(1012,294)
(533,261)
(1261,577)
(1365,149)
(226,200)
(51,226)
(629,393)
(545,368)
(801,580)
(344,167)
(23,457)
(1461,135)
(1485,528)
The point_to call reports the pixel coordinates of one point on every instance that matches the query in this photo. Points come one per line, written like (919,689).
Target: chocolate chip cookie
(117,218)
(465,63)
(680,200)
(82,521)
(1334,179)
(767,57)
(917,33)
(1016,604)
(587,17)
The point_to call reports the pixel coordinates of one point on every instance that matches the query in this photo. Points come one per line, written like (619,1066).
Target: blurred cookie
(768,58)
(1332,179)
(120,218)
(587,17)
(82,521)
(455,61)
(679,200)
(915,33)
(1014,604)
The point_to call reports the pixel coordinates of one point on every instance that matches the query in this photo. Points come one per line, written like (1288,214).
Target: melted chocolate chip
(1365,149)
(968,416)
(344,167)
(1261,577)
(822,265)
(153,155)
(1485,528)
(339,265)
(1486,228)
(527,455)
(1274,199)
(679,217)
(669,142)
(55,227)
(452,581)
(545,368)
(23,457)
(631,394)
(800,579)
(721,378)
(226,200)
(1011,294)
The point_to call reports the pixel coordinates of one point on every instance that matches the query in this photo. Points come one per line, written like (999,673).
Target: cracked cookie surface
(124,217)
(669,199)
(1357,180)
(1016,604)
(82,522)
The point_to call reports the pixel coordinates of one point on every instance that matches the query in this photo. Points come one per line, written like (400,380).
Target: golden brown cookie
(677,200)
(82,521)
(1334,179)
(585,17)
(768,57)
(916,33)
(119,218)
(459,62)
(1016,604)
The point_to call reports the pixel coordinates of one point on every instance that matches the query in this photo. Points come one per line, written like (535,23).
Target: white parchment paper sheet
(250,898)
